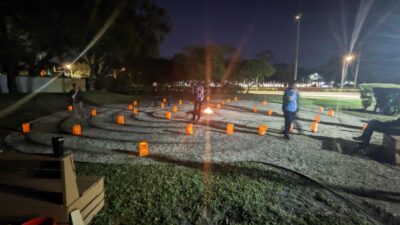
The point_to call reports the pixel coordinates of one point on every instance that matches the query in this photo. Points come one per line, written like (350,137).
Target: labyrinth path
(320,155)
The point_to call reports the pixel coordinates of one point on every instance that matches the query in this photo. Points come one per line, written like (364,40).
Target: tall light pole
(298,19)
(357,70)
(347,59)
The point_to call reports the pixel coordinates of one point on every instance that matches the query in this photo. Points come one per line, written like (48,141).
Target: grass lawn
(326,102)
(349,106)
(240,193)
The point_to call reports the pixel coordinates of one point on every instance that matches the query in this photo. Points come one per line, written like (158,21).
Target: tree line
(121,37)
(115,33)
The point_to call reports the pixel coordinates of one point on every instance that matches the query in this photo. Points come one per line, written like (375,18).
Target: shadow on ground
(373,152)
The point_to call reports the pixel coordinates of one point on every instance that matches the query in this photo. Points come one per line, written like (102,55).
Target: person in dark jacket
(290,107)
(389,127)
(155,94)
(198,98)
(77,101)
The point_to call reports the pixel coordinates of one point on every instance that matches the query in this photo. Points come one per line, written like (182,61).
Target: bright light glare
(349,58)
(208,111)
(298,17)
(68,66)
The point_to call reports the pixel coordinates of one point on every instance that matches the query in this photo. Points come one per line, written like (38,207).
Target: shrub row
(384,97)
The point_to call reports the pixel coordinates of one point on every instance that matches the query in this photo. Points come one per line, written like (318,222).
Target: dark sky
(327,27)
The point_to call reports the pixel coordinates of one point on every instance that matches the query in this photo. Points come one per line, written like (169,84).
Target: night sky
(256,25)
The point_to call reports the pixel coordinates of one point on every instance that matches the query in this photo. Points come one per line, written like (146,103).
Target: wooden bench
(42,185)
(392,145)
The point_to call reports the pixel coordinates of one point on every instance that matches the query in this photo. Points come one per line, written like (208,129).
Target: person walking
(389,127)
(198,96)
(77,101)
(290,107)
(155,94)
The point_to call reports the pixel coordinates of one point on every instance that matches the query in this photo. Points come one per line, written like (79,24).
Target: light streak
(236,56)
(365,7)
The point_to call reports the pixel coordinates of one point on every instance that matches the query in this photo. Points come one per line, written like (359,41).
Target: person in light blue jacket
(290,107)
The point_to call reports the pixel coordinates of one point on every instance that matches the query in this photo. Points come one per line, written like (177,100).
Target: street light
(69,67)
(347,59)
(298,19)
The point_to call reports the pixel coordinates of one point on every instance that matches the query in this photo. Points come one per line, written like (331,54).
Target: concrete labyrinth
(318,155)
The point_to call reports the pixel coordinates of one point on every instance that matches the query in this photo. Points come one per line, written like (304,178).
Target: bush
(387,100)
(379,85)
(367,101)
(120,85)
(367,96)
(112,84)
(386,97)
(231,88)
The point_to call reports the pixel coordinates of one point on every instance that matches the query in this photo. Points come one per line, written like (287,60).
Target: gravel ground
(321,156)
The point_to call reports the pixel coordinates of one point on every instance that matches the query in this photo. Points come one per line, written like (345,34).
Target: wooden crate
(42,185)
(392,145)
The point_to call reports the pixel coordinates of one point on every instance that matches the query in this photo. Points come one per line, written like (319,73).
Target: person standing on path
(77,101)
(155,94)
(290,107)
(198,97)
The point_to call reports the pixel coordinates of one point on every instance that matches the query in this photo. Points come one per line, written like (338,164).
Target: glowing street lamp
(347,59)
(69,67)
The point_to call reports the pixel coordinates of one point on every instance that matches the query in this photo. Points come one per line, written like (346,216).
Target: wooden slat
(40,184)
(392,145)
(89,194)
(94,212)
(17,206)
(30,157)
(76,218)
(45,196)
(86,183)
(31,168)
(71,193)
(26,202)
(29,164)
(91,205)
